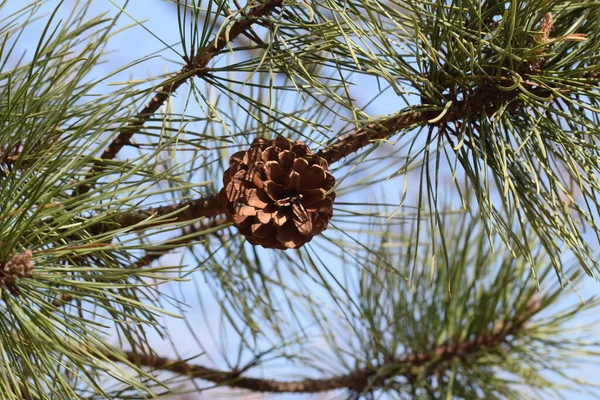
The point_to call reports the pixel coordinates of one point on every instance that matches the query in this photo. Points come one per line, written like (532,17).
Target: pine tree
(432,252)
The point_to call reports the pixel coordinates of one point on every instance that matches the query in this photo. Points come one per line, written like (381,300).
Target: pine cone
(19,266)
(275,193)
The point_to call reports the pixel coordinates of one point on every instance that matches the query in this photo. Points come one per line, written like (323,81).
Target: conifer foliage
(252,222)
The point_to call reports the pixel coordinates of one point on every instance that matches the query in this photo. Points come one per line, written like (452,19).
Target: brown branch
(196,67)
(234,379)
(486,99)
(203,207)
(363,137)
(359,380)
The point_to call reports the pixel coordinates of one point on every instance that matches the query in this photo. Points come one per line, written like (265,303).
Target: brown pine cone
(275,193)
(17,267)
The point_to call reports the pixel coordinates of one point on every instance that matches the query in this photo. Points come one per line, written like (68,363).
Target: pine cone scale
(300,165)
(312,196)
(313,178)
(275,172)
(300,150)
(264,217)
(323,206)
(293,183)
(270,154)
(287,235)
(286,160)
(301,219)
(275,191)
(281,217)
(257,198)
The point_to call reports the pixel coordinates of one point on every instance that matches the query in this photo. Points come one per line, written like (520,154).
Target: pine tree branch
(155,252)
(189,210)
(186,237)
(361,380)
(209,206)
(196,67)
(487,99)
(363,137)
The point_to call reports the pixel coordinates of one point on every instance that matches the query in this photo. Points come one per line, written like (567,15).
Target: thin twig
(196,67)
(185,238)
(192,209)
(154,253)
(360,380)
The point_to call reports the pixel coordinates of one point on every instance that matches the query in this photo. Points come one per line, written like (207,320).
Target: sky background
(160,18)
